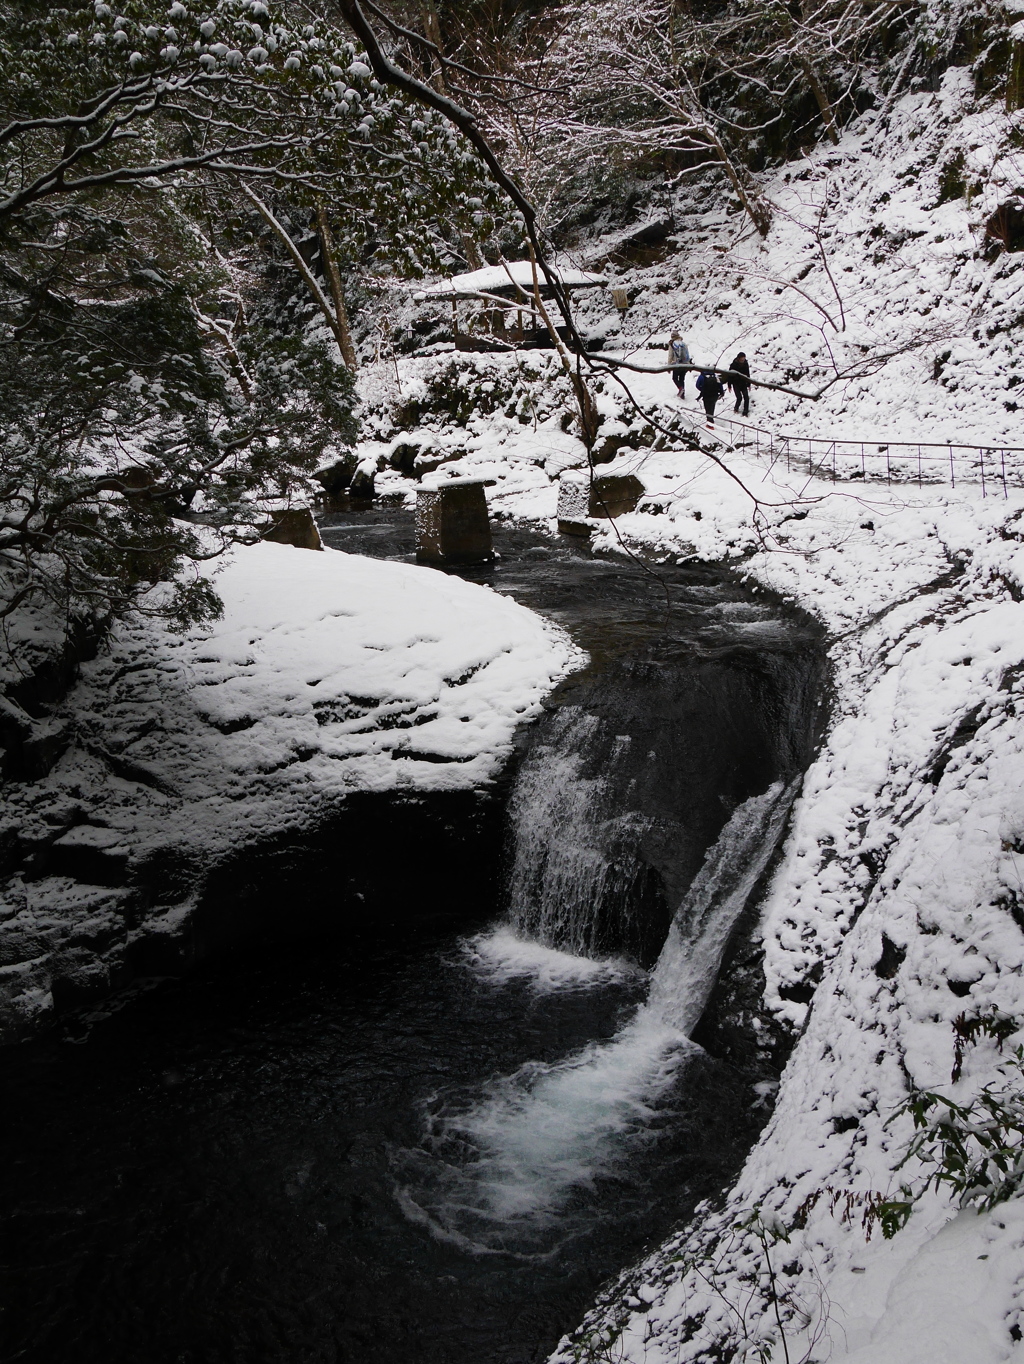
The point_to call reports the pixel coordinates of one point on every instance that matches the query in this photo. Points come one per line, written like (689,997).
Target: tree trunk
(432,29)
(826,106)
(307,274)
(828,113)
(327,255)
(760,213)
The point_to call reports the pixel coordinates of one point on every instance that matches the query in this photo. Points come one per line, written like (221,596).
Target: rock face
(452,526)
(294,528)
(336,478)
(362,488)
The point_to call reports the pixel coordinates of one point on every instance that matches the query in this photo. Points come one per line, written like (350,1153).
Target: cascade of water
(592,814)
(548,1131)
(687,969)
(576,872)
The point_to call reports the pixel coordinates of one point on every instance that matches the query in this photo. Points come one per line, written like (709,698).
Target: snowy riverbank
(328,675)
(895,910)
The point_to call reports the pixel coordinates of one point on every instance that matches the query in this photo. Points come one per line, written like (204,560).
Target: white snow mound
(328,673)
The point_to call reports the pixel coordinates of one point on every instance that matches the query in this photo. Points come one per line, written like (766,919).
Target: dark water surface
(211,1174)
(259,1164)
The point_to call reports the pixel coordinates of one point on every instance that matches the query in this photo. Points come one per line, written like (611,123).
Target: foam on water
(504,1167)
(502,956)
(500,1169)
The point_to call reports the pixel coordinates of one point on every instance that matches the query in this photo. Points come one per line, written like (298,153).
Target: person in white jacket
(678,354)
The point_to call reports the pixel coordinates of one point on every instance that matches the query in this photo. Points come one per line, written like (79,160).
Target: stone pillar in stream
(295,527)
(608,495)
(451,523)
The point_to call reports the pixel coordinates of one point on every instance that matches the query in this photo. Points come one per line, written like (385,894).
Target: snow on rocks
(329,674)
(898,904)
(338,664)
(896,908)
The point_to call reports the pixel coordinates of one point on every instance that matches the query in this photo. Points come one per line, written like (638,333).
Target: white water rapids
(509,1161)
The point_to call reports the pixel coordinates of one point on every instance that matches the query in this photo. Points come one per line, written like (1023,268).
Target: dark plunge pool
(417,1144)
(228,1168)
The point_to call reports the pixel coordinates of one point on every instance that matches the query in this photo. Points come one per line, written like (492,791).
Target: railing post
(1002,465)
(952,472)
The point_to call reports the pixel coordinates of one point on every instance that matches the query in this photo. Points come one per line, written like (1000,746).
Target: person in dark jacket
(742,389)
(710,391)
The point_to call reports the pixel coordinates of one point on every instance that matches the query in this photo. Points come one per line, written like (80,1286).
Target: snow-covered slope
(897,905)
(895,910)
(329,674)
(881,280)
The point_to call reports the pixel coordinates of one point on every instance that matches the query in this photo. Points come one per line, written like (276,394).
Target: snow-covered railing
(996,468)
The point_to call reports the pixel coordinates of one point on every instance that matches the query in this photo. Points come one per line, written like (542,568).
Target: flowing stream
(433,1146)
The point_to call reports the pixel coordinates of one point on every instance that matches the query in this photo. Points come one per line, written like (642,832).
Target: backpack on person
(679,352)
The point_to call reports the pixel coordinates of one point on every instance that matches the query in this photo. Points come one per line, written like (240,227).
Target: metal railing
(997,468)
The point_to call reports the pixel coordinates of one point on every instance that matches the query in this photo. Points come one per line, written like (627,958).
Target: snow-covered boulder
(328,676)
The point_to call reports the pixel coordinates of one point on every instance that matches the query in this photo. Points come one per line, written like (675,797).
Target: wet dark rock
(361,488)
(606,447)
(94,855)
(337,476)
(891,959)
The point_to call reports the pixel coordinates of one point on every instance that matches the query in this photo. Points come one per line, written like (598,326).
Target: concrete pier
(452,526)
(581,500)
(295,527)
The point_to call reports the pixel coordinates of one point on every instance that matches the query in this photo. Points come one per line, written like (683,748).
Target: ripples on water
(427,1153)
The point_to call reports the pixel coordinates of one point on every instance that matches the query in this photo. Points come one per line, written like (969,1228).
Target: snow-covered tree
(157,390)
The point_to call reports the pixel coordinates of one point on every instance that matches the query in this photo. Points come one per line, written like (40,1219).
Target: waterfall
(577,878)
(687,969)
(620,852)
(503,1166)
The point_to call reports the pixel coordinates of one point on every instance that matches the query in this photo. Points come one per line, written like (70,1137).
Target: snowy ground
(877,279)
(878,282)
(328,674)
(909,826)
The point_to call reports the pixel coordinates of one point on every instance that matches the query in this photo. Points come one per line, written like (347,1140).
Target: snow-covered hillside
(884,280)
(880,278)
(896,908)
(328,674)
